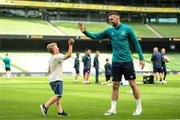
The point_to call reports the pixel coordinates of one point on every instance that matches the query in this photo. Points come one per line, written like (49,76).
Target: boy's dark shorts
(123,68)
(57,87)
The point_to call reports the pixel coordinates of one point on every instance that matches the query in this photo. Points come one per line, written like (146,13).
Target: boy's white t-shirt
(56,67)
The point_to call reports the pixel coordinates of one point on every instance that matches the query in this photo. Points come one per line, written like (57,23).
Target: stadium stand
(25,26)
(141,29)
(38,62)
(60,18)
(167,30)
(69,29)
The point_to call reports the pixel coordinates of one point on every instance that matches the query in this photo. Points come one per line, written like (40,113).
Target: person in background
(76,67)
(7,62)
(163,63)
(87,66)
(96,66)
(156,59)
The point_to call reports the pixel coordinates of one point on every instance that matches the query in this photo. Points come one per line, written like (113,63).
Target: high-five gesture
(71,41)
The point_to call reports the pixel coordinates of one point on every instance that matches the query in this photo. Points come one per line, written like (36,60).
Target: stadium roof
(20,3)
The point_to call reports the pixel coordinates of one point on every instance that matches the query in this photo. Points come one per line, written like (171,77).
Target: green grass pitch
(20,98)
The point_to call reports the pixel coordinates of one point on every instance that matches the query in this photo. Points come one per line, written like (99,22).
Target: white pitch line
(149,27)
(56,29)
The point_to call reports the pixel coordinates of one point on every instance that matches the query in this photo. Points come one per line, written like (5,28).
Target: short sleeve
(59,57)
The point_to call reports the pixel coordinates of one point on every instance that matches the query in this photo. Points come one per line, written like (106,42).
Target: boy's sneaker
(138,111)
(161,82)
(164,81)
(110,112)
(97,82)
(63,114)
(43,110)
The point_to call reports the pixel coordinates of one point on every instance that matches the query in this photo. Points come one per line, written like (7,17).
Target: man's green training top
(120,38)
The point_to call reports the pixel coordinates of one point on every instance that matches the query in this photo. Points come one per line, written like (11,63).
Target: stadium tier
(167,30)
(68,28)
(71,27)
(25,26)
(142,30)
(38,62)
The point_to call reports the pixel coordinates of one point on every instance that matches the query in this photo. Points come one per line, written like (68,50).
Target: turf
(25,26)
(20,98)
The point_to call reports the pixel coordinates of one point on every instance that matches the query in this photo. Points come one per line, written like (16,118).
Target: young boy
(107,68)
(56,77)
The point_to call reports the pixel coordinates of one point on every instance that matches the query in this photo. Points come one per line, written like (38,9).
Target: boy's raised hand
(71,41)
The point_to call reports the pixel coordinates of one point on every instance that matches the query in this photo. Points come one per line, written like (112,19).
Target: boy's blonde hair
(50,47)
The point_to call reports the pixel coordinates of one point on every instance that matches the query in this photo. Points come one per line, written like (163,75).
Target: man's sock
(113,104)
(138,102)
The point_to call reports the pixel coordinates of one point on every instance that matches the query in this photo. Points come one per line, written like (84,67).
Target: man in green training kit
(7,62)
(120,36)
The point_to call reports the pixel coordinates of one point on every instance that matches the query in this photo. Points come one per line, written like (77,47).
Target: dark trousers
(108,77)
(164,71)
(97,75)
